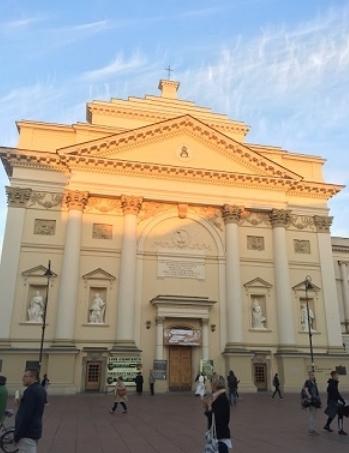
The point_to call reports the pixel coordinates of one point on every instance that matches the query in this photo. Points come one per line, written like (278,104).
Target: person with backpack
(276,384)
(334,399)
(311,401)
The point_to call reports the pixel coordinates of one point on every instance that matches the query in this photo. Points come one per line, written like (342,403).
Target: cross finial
(169,70)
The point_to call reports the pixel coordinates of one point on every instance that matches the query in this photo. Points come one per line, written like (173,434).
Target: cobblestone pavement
(174,423)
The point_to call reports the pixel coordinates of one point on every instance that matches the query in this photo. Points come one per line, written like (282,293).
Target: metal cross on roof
(169,70)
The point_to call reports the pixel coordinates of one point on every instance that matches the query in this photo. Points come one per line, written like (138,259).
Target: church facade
(175,245)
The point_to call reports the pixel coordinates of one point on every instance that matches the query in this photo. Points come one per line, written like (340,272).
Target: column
(17,199)
(205,348)
(159,347)
(70,273)
(345,288)
(127,273)
(231,216)
(285,314)
(329,290)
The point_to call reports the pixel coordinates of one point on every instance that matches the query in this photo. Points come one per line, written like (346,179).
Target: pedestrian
(139,383)
(310,390)
(120,396)
(45,382)
(200,388)
(28,423)
(232,381)
(151,381)
(276,384)
(217,404)
(334,398)
(3,398)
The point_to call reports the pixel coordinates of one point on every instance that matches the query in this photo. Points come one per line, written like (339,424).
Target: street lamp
(308,285)
(48,274)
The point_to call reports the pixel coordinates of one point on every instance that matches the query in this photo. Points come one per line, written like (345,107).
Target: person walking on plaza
(313,401)
(3,398)
(45,382)
(120,396)
(139,383)
(276,384)
(334,399)
(233,382)
(218,405)
(151,381)
(28,423)
(200,388)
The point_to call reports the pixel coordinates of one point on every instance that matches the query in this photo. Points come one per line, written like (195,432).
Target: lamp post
(48,274)
(308,285)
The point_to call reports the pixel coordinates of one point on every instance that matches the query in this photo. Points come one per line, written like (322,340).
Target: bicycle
(7,435)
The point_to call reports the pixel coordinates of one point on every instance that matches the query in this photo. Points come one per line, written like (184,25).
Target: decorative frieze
(17,197)
(74,199)
(302,222)
(211,214)
(131,204)
(231,214)
(104,205)
(280,217)
(47,200)
(152,208)
(323,223)
(45,227)
(255,218)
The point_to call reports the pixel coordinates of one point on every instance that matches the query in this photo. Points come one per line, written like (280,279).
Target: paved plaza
(174,423)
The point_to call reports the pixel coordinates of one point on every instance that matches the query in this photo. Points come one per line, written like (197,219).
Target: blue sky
(280,66)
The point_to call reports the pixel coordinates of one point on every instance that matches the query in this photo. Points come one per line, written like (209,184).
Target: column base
(125,346)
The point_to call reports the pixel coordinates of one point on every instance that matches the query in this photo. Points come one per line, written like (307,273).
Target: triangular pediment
(168,142)
(98,274)
(37,271)
(301,287)
(257,283)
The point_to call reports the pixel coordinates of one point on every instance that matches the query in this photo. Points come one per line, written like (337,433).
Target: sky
(281,66)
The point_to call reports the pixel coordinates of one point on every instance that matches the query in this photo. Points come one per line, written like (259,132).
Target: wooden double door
(180,368)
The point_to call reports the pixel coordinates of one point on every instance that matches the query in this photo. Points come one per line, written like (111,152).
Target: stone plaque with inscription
(181,268)
(45,227)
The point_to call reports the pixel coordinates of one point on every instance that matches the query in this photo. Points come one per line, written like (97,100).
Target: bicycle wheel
(7,442)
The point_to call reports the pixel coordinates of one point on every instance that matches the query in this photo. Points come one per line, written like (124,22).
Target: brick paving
(174,423)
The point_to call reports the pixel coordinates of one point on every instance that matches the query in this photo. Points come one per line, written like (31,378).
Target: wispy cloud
(118,65)
(20,23)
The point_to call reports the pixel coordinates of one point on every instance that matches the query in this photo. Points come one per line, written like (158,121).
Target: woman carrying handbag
(217,411)
(120,396)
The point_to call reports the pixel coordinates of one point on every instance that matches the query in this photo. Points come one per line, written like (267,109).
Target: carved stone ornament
(210,213)
(182,210)
(17,197)
(255,218)
(231,214)
(104,205)
(302,222)
(130,204)
(323,223)
(74,199)
(46,200)
(152,208)
(301,246)
(280,217)
(102,231)
(44,227)
(255,243)
(181,240)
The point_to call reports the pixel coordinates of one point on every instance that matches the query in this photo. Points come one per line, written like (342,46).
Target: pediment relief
(201,142)
(257,283)
(37,271)
(99,274)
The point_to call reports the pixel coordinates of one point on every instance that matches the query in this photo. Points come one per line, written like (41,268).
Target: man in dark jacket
(333,398)
(276,384)
(28,424)
(139,383)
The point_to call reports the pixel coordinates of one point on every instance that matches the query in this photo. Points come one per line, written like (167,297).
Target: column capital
(131,204)
(279,217)
(17,197)
(343,263)
(74,199)
(323,223)
(231,213)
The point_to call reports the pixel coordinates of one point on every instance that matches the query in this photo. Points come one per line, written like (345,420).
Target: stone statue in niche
(258,318)
(97,310)
(305,322)
(36,307)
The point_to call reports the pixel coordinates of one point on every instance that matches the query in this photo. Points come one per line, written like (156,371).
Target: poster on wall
(125,366)
(206,367)
(160,369)
(182,337)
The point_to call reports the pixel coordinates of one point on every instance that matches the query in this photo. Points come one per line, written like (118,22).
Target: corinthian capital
(231,214)
(17,197)
(130,204)
(279,217)
(322,223)
(74,199)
